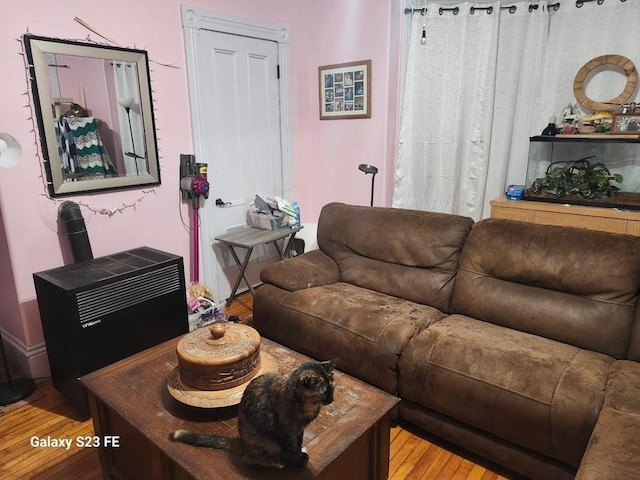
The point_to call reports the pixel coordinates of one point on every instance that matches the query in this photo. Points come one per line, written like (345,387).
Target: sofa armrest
(311,269)
(613,451)
(623,387)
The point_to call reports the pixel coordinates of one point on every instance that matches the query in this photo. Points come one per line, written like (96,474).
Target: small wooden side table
(249,238)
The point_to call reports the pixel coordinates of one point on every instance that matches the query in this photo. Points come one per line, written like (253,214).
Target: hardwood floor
(47,414)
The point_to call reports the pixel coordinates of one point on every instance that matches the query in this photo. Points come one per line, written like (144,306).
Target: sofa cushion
(404,253)
(572,285)
(367,330)
(537,393)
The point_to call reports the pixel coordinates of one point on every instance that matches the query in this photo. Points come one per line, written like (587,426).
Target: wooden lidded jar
(218,357)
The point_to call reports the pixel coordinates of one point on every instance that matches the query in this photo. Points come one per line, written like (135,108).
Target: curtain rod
(489,9)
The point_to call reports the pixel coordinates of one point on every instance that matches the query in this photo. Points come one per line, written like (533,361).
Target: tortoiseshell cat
(272,416)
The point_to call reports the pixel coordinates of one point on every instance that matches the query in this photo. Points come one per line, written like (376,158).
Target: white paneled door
(235,98)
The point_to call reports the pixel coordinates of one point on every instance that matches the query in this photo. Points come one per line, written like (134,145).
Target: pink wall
(325,153)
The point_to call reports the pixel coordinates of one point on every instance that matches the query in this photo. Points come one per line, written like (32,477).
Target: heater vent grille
(116,296)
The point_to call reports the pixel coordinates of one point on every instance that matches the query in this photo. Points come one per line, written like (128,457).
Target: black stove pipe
(76,231)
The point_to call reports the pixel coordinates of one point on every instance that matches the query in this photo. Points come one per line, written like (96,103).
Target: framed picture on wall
(345,90)
(626,124)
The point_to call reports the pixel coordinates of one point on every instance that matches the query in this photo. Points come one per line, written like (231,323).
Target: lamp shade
(126,102)
(366,168)
(10,151)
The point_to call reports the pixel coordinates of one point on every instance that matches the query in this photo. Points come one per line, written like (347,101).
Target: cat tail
(201,440)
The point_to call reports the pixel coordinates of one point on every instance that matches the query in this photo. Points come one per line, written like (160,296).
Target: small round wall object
(617,60)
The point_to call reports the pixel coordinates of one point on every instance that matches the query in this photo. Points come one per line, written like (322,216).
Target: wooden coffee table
(133,415)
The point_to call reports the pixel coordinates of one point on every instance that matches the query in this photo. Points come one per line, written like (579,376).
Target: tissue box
(515,192)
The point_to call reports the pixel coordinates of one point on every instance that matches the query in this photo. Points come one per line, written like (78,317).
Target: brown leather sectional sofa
(518,342)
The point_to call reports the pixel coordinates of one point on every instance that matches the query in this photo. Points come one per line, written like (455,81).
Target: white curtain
(131,128)
(521,53)
(445,122)
(616,26)
(482,84)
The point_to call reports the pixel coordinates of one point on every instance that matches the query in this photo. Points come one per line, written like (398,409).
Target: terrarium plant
(579,177)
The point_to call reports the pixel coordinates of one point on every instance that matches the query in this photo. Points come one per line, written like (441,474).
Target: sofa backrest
(404,253)
(573,285)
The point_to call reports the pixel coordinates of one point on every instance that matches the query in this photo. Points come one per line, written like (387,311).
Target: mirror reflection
(95,116)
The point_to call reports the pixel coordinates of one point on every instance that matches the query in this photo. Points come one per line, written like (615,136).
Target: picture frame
(626,124)
(345,90)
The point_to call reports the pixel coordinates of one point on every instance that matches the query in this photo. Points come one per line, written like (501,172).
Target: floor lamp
(366,168)
(12,389)
(127,103)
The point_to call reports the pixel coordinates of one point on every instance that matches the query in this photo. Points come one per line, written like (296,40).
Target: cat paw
(177,434)
(301,461)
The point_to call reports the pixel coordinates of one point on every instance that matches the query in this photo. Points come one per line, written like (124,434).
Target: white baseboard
(30,360)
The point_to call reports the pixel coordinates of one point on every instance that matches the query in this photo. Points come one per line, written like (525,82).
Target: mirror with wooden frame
(95,115)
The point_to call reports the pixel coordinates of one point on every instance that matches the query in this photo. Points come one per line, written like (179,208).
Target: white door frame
(194,20)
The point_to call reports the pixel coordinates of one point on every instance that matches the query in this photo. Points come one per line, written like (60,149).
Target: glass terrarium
(601,171)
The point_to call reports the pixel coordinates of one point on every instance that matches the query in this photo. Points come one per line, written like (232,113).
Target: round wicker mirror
(617,60)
